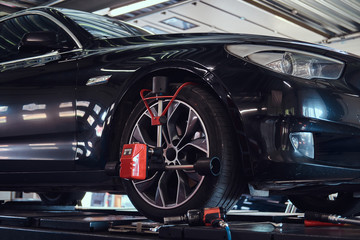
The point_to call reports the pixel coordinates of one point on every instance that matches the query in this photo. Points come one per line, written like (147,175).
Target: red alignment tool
(137,158)
(155,120)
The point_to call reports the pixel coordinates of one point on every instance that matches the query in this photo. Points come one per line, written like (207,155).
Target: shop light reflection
(253,110)
(67,114)
(43,146)
(65,105)
(3,119)
(4,108)
(35,116)
(33,107)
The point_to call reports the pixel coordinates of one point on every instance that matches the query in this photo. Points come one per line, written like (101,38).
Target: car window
(12,31)
(102,27)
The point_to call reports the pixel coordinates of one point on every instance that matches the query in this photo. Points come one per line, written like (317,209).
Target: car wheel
(61,198)
(342,203)
(197,126)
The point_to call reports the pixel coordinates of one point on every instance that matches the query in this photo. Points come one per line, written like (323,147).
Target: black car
(282,116)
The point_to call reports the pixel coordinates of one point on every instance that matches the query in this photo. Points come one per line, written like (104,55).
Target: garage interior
(332,23)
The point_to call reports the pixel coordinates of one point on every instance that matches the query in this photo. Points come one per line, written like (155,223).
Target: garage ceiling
(331,22)
(332,18)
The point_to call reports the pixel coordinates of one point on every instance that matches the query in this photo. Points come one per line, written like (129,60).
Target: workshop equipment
(137,158)
(202,217)
(198,217)
(331,218)
(313,223)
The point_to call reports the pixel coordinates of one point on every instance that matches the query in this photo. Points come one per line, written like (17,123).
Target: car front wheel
(197,126)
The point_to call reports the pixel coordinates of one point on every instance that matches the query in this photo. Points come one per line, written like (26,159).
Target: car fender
(143,75)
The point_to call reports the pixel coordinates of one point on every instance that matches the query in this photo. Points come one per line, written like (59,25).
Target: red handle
(155,120)
(311,223)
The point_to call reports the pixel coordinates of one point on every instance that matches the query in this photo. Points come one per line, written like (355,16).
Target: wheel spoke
(191,127)
(147,183)
(193,175)
(140,135)
(165,135)
(199,143)
(182,187)
(172,116)
(153,110)
(137,135)
(160,195)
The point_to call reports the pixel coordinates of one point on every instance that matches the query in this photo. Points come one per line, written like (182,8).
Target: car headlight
(289,61)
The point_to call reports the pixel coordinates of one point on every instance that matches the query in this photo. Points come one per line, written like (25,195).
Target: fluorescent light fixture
(179,23)
(134,7)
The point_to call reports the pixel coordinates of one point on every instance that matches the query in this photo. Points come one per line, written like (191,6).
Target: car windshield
(102,27)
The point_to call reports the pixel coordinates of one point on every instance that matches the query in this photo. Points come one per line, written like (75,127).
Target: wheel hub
(170,154)
(182,142)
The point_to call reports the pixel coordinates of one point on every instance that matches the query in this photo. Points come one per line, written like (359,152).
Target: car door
(37,97)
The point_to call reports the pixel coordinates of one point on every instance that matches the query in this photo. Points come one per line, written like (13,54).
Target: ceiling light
(134,7)
(179,23)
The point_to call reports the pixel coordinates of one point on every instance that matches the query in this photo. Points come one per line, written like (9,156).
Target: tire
(342,203)
(197,126)
(61,198)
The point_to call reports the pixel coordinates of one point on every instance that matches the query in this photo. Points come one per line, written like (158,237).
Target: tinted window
(12,30)
(102,27)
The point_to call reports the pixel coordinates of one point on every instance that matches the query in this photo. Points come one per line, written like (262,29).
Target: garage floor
(31,220)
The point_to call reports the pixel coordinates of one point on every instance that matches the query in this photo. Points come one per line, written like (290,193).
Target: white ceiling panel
(349,45)
(156,19)
(144,22)
(234,16)
(223,21)
(263,18)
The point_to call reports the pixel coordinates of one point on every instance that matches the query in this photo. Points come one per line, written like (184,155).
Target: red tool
(156,120)
(330,218)
(137,159)
(311,223)
(202,217)
(199,217)
(134,161)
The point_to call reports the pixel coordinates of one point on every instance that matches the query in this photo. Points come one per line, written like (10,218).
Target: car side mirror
(39,42)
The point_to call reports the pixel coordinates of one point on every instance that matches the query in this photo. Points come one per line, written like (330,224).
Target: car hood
(217,38)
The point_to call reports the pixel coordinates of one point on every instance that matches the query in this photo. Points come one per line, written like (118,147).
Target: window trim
(51,18)
(46,55)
